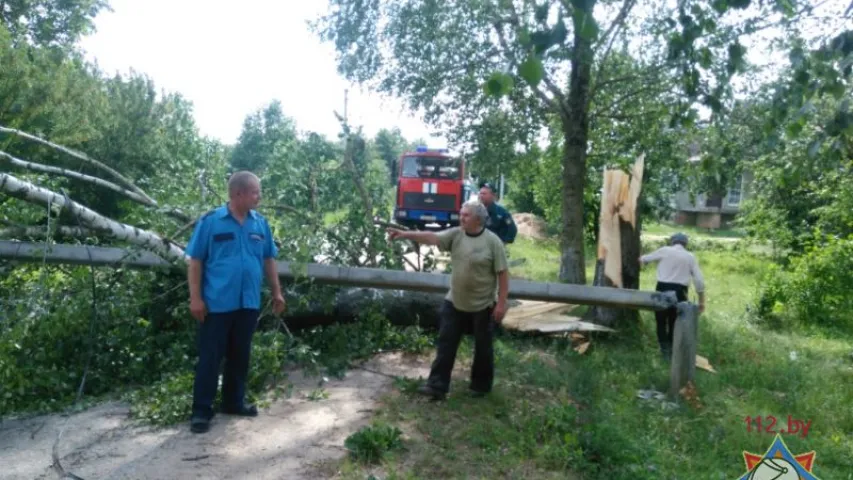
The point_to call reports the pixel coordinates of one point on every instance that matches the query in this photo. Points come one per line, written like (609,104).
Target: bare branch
(647,88)
(89,218)
(613,33)
(37,167)
(80,156)
(617,24)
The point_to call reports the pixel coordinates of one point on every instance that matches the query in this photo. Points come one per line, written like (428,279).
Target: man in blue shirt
(230,250)
(500,221)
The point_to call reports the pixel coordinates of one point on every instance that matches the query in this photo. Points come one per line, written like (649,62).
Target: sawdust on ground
(531,226)
(294,438)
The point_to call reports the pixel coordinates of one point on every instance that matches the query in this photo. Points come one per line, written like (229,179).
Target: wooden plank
(553,323)
(350,276)
(529,309)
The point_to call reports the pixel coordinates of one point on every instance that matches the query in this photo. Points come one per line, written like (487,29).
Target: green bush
(813,290)
(141,341)
(371,444)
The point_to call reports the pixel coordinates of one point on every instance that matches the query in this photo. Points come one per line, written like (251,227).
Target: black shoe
(428,391)
(477,393)
(199,424)
(244,411)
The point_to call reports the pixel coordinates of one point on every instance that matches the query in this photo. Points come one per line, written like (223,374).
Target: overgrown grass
(668,228)
(558,414)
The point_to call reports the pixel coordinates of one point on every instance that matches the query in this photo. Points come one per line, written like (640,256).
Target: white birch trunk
(34,194)
(32,232)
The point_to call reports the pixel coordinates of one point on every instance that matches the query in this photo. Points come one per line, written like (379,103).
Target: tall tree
(546,58)
(267,134)
(50,23)
(389,145)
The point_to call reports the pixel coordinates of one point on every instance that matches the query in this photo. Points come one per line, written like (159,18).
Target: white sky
(230,59)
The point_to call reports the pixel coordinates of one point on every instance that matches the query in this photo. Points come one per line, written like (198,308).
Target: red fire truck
(431,188)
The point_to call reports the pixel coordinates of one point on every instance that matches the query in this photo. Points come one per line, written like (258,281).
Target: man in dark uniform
(230,251)
(500,221)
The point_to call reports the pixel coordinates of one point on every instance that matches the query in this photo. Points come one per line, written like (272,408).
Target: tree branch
(559,97)
(80,156)
(37,167)
(617,24)
(614,29)
(645,89)
(31,231)
(34,194)
(554,104)
(144,200)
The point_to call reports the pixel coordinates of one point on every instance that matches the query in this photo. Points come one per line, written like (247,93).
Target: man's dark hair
(489,186)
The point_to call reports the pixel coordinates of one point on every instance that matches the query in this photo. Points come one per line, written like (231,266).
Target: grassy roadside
(557,414)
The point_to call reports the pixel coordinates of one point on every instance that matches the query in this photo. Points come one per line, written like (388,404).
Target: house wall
(697,213)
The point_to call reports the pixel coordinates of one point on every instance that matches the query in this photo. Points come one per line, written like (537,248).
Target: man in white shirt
(676,268)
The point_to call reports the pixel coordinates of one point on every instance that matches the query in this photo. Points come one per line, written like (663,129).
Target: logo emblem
(778,463)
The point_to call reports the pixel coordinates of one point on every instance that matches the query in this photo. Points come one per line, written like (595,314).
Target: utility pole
(346,101)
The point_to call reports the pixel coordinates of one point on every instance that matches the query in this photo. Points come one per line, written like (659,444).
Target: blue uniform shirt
(233,258)
(501,223)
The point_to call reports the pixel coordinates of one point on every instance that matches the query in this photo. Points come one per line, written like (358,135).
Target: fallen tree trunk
(350,276)
(402,308)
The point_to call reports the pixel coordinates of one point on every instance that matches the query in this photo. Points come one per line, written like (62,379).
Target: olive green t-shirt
(476,261)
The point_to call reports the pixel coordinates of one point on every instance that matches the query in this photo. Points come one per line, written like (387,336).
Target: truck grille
(429,201)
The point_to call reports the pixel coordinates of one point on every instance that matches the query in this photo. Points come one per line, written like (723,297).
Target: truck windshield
(431,167)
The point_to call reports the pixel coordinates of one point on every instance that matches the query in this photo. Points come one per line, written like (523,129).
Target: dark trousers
(229,336)
(666,318)
(454,324)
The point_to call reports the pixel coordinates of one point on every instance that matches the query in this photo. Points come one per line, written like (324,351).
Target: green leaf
(585,25)
(720,6)
(498,84)
(532,70)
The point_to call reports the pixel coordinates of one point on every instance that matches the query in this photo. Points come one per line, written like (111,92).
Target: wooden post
(685,340)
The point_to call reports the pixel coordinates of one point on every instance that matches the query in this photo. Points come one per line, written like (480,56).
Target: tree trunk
(629,239)
(575,133)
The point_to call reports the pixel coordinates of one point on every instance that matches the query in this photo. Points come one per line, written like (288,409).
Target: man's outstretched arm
(425,238)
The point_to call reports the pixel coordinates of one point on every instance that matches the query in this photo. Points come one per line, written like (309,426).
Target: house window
(735,193)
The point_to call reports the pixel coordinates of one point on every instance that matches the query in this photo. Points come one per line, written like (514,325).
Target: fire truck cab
(431,188)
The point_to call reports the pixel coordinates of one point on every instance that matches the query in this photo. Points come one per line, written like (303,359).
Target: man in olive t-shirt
(479,285)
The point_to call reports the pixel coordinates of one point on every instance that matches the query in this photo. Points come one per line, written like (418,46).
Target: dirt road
(294,438)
